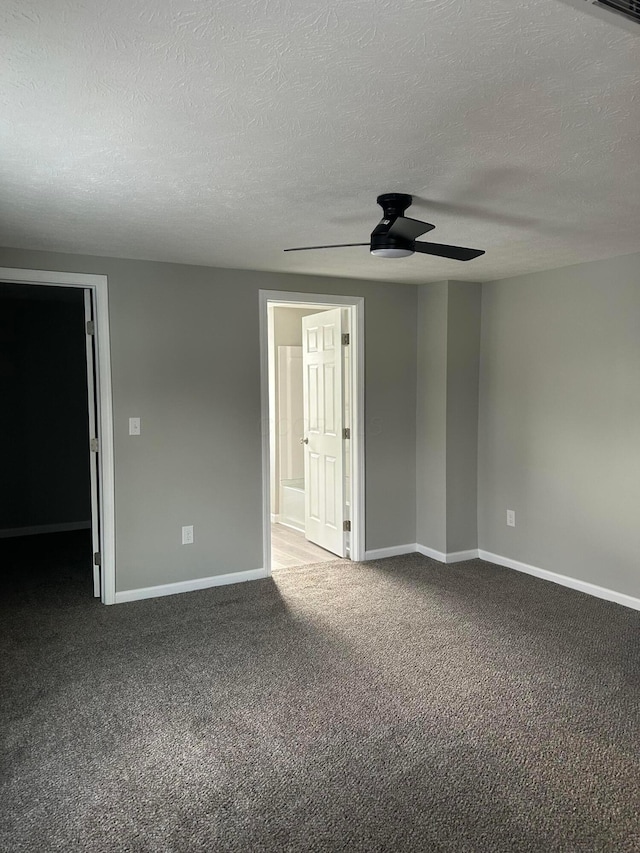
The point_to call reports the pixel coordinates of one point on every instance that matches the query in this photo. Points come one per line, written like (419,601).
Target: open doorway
(313,413)
(48,500)
(56,507)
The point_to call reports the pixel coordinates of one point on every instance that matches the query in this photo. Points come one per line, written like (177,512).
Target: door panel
(313,399)
(329,399)
(330,491)
(313,488)
(322,356)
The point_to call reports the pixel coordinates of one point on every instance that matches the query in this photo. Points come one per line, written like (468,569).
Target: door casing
(355,307)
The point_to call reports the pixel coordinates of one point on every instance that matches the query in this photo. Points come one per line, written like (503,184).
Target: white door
(93,460)
(323,436)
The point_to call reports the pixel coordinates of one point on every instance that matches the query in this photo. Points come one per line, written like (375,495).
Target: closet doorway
(59,499)
(312,408)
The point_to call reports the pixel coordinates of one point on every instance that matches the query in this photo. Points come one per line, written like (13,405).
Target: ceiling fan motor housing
(394,204)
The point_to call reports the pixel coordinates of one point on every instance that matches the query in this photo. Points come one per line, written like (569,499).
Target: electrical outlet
(134,426)
(511,518)
(187,535)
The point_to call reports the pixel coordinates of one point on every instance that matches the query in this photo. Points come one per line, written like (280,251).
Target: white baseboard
(275,518)
(461,556)
(292,525)
(507,562)
(430,552)
(413,548)
(189,586)
(451,557)
(393,551)
(563,580)
(64,527)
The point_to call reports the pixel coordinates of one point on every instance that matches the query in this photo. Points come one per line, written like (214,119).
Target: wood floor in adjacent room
(290,548)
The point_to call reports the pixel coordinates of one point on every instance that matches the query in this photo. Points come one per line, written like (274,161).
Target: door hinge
(346,340)
(97,559)
(346,526)
(91,327)
(94,445)
(346,432)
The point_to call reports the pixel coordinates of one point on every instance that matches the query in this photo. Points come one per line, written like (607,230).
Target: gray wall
(287,325)
(44,429)
(431,416)
(559,429)
(463,367)
(559,415)
(185,358)
(447,415)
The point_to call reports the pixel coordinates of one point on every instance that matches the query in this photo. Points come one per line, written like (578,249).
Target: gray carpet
(399,705)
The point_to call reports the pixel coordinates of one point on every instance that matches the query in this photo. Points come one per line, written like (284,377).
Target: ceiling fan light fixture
(390,252)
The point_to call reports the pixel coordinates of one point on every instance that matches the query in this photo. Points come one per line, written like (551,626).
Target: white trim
(13,275)
(274,491)
(356,304)
(94,487)
(461,556)
(63,527)
(399,550)
(472,554)
(189,586)
(451,557)
(431,552)
(265,409)
(563,580)
(392,551)
(99,286)
(291,525)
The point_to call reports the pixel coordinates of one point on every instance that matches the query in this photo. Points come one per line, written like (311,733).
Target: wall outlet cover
(187,535)
(511,518)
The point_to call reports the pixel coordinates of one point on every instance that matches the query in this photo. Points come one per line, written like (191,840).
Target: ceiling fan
(395,235)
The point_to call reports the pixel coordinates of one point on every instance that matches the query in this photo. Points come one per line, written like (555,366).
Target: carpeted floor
(399,705)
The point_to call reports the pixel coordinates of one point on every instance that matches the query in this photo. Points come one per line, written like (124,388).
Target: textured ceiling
(221,131)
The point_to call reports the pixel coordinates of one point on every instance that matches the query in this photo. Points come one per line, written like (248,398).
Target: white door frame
(97,284)
(355,304)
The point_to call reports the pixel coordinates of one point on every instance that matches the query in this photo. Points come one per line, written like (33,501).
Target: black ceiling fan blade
(408,228)
(334,246)
(456,253)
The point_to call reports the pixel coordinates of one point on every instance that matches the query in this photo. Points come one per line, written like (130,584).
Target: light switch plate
(134,426)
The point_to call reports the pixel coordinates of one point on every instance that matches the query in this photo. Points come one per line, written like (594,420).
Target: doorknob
(304,441)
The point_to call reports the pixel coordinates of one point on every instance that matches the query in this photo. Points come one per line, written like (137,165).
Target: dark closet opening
(45,489)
